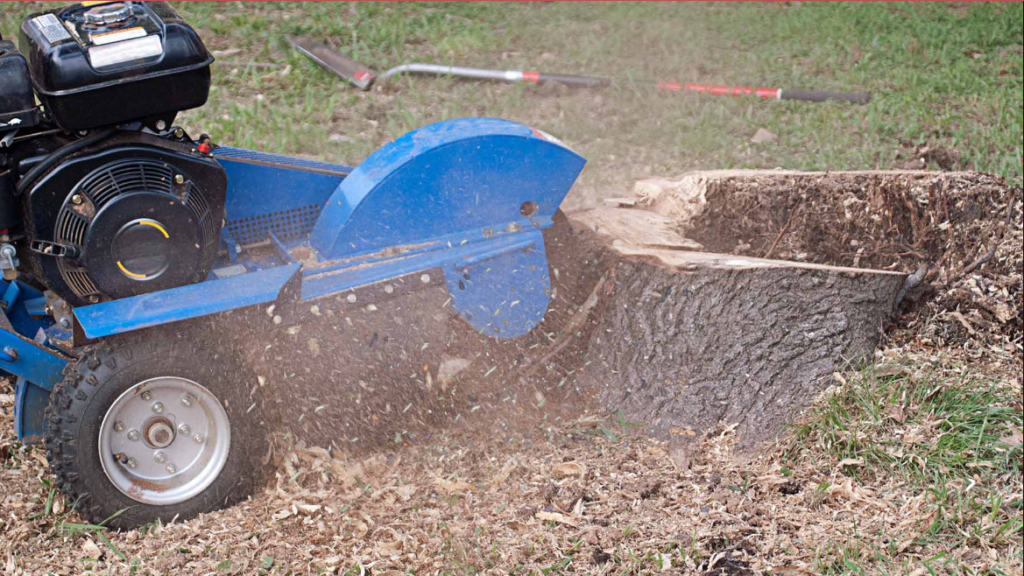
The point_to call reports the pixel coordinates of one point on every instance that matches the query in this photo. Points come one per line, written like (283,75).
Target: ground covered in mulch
(519,479)
(580,497)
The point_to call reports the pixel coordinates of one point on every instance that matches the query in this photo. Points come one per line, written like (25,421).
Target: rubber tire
(102,373)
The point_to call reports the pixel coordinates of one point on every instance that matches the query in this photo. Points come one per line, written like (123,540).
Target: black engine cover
(130,219)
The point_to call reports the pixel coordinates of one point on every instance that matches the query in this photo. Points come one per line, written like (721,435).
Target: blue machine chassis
(462,202)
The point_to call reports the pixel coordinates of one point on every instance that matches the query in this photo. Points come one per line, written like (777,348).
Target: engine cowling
(126,219)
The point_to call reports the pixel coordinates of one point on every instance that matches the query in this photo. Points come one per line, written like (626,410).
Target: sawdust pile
(962,231)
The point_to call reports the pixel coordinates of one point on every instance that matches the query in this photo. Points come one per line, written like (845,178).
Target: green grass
(943,75)
(953,439)
(919,430)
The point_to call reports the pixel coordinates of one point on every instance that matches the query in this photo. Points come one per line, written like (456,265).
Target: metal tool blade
(344,67)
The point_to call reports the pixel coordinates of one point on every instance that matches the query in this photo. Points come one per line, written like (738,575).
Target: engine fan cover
(136,219)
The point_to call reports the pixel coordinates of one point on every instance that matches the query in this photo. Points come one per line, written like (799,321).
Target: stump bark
(686,340)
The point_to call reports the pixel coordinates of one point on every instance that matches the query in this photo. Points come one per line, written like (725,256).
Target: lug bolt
(160,457)
(183,429)
(147,395)
(158,408)
(198,438)
(186,401)
(132,463)
(118,426)
(134,436)
(77,199)
(179,133)
(425,278)
(179,179)
(171,469)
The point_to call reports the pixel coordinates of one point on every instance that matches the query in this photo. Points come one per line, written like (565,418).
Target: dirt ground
(580,497)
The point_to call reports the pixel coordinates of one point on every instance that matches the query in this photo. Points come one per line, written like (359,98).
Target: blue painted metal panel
(458,179)
(352,274)
(255,156)
(269,192)
(32,361)
(185,302)
(503,292)
(25,353)
(500,287)
(29,411)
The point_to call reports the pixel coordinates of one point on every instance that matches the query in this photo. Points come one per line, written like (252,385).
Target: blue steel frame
(465,199)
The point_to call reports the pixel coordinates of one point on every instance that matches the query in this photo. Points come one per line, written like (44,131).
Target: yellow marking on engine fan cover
(155,225)
(129,273)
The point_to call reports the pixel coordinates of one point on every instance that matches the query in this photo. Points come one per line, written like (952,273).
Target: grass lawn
(943,75)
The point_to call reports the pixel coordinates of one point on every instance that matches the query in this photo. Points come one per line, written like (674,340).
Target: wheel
(158,425)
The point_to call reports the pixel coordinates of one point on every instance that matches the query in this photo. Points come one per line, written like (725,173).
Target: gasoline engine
(101,197)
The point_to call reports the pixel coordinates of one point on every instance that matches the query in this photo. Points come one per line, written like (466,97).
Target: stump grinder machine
(125,242)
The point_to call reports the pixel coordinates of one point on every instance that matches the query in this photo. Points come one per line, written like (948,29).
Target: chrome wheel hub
(164,440)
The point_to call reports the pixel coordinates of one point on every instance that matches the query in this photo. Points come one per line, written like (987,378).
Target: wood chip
(556,517)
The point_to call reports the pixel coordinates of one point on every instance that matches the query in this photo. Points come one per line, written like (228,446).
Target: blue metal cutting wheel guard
(461,203)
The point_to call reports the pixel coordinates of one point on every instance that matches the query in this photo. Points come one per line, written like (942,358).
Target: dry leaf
(90,549)
(456,487)
(556,517)
(1014,438)
(898,414)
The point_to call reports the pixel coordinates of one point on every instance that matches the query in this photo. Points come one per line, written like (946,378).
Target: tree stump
(685,340)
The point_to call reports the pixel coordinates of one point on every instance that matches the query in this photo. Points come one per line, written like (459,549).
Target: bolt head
(186,401)
(198,438)
(183,429)
(132,463)
(179,133)
(77,199)
(158,408)
(160,457)
(94,299)
(425,278)
(161,125)
(118,426)
(147,396)
(171,468)
(134,435)
(179,179)
(65,323)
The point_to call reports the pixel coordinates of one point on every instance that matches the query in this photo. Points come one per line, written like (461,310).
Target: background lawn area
(943,75)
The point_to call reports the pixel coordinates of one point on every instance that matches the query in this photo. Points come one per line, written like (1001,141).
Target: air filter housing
(115,62)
